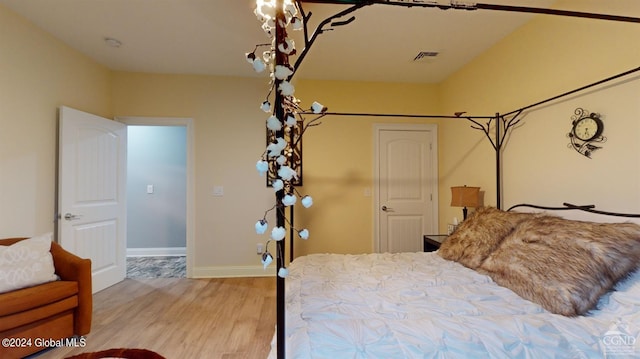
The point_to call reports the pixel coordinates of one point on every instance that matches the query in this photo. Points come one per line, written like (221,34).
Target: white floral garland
(280,74)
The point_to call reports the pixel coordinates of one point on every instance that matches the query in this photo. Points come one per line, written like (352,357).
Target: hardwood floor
(183,318)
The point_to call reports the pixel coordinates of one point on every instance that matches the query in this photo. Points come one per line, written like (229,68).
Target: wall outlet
(218,191)
(259,248)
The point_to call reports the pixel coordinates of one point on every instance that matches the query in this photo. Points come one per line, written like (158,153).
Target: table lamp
(463,196)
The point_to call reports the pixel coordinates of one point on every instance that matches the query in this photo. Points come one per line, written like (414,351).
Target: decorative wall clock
(586,131)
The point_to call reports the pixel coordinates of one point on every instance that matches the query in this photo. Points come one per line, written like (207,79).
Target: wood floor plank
(183,318)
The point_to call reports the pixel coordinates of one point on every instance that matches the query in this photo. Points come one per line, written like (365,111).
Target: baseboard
(157,252)
(233,271)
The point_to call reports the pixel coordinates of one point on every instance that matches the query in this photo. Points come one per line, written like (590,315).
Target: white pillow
(26,263)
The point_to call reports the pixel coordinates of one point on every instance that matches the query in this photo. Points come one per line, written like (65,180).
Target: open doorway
(159,196)
(156,201)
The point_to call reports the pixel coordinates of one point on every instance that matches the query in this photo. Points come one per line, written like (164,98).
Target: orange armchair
(51,311)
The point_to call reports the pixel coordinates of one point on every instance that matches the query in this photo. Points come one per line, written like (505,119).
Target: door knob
(71,217)
(387,209)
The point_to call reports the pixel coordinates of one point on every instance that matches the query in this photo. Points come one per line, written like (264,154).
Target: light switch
(149,188)
(218,191)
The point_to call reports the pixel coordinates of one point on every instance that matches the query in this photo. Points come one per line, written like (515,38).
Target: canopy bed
(441,303)
(472,304)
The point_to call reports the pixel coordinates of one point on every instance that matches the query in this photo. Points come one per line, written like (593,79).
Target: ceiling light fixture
(111,42)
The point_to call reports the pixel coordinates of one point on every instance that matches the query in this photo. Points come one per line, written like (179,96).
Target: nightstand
(432,242)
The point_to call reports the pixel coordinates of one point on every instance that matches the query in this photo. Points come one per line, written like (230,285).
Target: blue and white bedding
(419,305)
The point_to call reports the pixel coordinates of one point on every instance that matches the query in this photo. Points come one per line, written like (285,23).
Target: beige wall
(230,132)
(546,57)
(39,73)
(229,139)
(540,60)
(338,158)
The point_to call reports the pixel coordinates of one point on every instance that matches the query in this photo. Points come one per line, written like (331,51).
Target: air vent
(425,55)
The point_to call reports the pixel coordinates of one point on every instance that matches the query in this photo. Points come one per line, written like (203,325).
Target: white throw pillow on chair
(26,263)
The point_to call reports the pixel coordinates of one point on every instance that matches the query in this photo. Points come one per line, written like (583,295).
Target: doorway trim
(377,129)
(190,215)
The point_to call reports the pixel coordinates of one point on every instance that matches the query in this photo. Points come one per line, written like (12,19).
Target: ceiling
(211,36)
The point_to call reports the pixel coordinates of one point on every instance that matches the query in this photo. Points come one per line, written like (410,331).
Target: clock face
(587,128)
(586,132)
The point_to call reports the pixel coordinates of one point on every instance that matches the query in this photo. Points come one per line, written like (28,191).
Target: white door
(407,186)
(91,193)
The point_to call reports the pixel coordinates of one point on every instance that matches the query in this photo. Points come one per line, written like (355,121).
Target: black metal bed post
(498,149)
(280,59)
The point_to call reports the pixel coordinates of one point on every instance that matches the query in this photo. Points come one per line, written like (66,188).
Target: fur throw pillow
(564,265)
(479,235)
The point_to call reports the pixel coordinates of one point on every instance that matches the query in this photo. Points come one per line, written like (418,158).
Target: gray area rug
(157,267)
